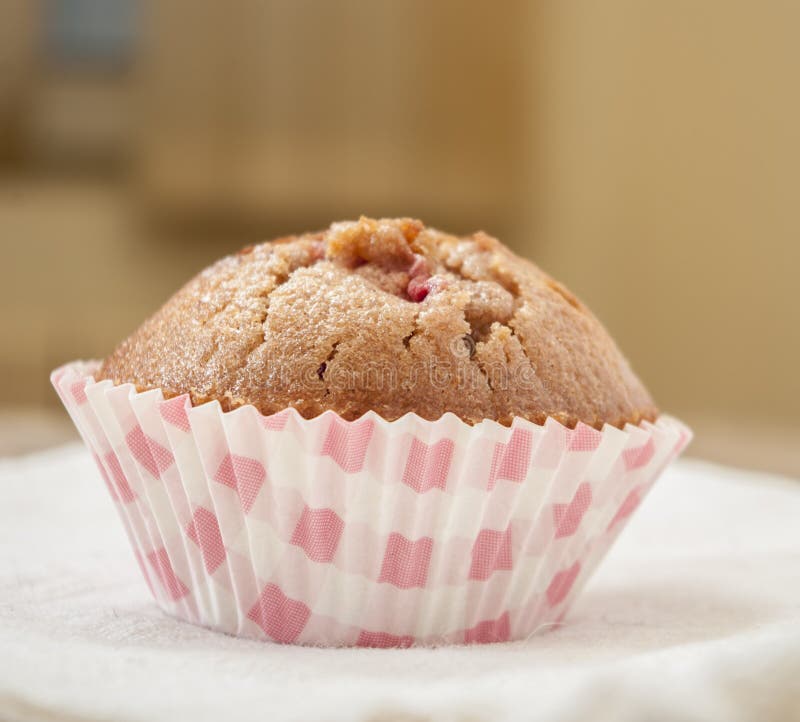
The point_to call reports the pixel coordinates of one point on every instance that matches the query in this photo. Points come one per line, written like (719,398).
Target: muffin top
(384,315)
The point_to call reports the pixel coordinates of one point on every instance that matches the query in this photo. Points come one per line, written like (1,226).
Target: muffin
(386,316)
(378,435)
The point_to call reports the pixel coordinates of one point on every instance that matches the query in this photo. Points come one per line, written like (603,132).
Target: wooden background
(646,154)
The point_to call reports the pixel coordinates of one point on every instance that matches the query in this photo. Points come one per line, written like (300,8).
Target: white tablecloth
(695,615)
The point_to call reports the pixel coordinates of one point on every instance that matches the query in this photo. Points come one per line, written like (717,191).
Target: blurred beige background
(645,153)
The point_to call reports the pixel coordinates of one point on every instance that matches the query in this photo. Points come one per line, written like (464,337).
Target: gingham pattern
(367,533)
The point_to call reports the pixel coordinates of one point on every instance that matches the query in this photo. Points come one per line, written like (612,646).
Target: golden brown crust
(390,316)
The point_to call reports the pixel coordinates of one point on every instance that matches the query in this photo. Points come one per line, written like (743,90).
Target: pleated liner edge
(372,533)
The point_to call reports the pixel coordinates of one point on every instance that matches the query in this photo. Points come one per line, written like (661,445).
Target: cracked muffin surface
(389,316)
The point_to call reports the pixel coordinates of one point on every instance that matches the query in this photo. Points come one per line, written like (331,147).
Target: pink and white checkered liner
(371,533)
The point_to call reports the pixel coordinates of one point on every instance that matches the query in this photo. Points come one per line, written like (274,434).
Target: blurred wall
(17,53)
(312,110)
(645,153)
(667,194)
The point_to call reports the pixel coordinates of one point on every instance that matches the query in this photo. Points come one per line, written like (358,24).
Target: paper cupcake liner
(372,533)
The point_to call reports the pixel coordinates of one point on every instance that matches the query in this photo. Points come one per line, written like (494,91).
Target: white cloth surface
(694,615)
